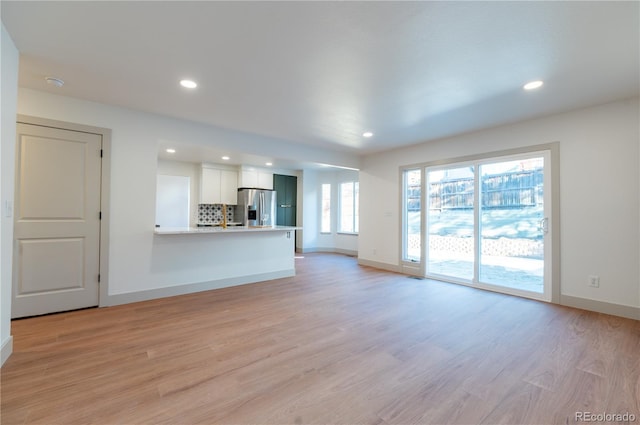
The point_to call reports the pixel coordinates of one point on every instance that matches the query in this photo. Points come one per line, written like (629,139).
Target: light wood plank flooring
(337,344)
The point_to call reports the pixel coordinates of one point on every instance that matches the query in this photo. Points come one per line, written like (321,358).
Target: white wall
(599,193)
(9,89)
(313,240)
(185,169)
(135,255)
(310,199)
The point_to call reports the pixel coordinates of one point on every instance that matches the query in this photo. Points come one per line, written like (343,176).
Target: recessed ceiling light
(269,164)
(54,81)
(367,134)
(226,158)
(532,85)
(171,150)
(188,84)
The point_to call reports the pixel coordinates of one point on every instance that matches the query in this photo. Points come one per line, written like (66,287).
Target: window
(485,221)
(349,206)
(325,226)
(412,215)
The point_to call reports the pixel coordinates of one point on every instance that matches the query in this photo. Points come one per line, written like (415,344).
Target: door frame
(105,190)
(554,219)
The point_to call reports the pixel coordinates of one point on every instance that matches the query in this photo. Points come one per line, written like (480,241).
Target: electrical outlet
(594,281)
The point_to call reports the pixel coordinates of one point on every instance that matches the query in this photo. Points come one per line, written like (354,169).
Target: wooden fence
(506,190)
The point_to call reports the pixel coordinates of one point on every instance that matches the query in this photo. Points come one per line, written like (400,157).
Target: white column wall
(310,218)
(9,90)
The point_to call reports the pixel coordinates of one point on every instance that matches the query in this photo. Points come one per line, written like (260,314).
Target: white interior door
(57,220)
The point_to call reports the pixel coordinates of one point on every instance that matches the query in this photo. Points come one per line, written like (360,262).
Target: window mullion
(477,211)
(424,216)
(353,206)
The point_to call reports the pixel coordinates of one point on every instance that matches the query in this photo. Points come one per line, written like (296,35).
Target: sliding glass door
(513,224)
(450,234)
(487,224)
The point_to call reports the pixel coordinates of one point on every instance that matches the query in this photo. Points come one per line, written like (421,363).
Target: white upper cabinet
(265,180)
(218,186)
(256,179)
(229,187)
(210,186)
(249,178)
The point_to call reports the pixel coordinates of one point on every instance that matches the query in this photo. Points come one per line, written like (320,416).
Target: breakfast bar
(222,230)
(192,259)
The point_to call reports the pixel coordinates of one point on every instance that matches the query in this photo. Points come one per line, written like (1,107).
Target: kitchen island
(222,230)
(184,260)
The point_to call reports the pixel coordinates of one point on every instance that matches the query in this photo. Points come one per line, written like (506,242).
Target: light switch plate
(8,209)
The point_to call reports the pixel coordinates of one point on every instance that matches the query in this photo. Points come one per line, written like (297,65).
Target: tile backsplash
(212,213)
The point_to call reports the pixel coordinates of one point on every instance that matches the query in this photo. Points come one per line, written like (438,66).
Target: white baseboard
(133,297)
(384,266)
(6,350)
(348,252)
(601,307)
(566,300)
(308,250)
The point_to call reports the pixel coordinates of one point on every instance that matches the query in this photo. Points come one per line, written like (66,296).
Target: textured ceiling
(321,73)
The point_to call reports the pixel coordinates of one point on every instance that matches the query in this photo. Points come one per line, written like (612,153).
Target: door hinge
(101,152)
(100,215)
(98,277)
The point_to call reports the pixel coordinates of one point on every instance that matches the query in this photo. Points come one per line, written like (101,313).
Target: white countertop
(217,230)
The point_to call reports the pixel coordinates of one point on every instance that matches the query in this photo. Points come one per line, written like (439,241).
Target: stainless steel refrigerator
(257,207)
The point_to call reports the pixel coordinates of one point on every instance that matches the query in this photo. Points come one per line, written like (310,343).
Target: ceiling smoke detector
(54,81)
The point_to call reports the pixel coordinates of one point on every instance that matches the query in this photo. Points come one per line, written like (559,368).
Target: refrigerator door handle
(261,208)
